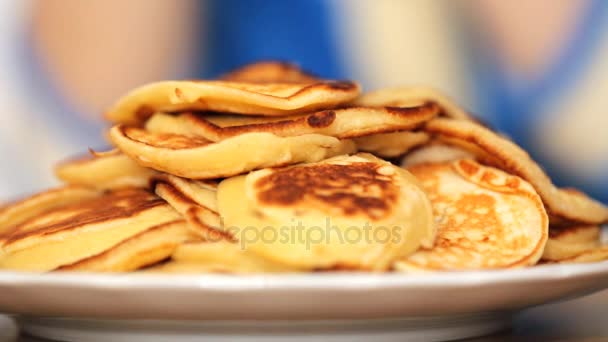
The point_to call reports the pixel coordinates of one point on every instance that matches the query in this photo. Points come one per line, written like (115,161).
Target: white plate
(338,306)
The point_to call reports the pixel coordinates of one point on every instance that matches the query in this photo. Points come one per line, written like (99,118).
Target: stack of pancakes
(270,169)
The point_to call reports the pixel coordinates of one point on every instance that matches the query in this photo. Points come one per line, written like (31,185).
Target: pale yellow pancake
(232,97)
(356,212)
(486,219)
(506,155)
(435,152)
(105,171)
(17,212)
(568,243)
(270,71)
(68,234)
(340,123)
(391,145)
(411,96)
(146,248)
(197,158)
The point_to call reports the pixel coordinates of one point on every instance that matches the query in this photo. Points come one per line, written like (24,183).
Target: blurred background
(537,70)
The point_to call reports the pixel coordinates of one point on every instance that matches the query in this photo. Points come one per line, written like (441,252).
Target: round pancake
(340,123)
(202,221)
(197,158)
(435,152)
(16,213)
(105,171)
(270,72)
(486,219)
(570,242)
(231,97)
(391,145)
(74,232)
(358,212)
(411,96)
(504,154)
(146,248)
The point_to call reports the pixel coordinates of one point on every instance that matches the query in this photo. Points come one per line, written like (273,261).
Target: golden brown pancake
(146,248)
(16,213)
(231,97)
(340,123)
(202,221)
(201,192)
(74,232)
(411,96)
(391,145)
(486,219)
(105,171)
(270,72)
(358,212)
(435,152)
(197,158)
(569,242)
(504,154)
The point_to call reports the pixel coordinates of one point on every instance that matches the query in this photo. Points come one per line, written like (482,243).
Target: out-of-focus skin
(96,50)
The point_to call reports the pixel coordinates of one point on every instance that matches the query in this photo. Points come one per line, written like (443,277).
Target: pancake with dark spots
(70,233)
(340,123)
(358,195)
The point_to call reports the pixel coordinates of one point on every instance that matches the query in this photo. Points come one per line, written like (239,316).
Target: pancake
(500,152)
(435,152)
(16,213)
(570,242)
(68,234)
(340,123)
(225,257)
(356,212)
(105,171)
(411,96)
(197,158)
(391,145)
(146,248)
(486,219)
(591,255)
(203,193)
(202,221)
(270,72)
(231,97)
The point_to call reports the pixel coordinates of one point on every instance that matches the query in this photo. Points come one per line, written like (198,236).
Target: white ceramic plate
(338,306)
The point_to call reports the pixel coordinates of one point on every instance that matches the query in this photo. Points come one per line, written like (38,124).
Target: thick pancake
(203,193)
(196,158)
(359,212)
(411,96)
(231,97)
(486,219)
(105,171)
(340,123)
(146,248)
(226,257)
(570,242)
(18,212)
(506,155)
(68,234)
(435,152)
(270,72)
(202,221)
(391,145)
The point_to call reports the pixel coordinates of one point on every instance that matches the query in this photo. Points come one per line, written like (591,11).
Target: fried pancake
(358,212)
(18,212)
(74,232)
(202,221)
(435,152)
(225,257)
(105,171)
(203,193)
(270,72)
(411,96)
(391,145)
(486,219)
(504,154)
(569,242)
(231,97)
(591,255)
(197,158)
(146,248)
(340,123)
